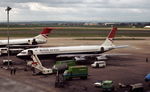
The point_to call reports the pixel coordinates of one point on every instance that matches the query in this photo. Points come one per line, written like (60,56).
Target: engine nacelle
(32,42)
(102,49)
(101,58)
(79,58)
(41,41)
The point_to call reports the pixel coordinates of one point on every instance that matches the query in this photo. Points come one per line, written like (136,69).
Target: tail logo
(46,31)
(112,34)
(45,35)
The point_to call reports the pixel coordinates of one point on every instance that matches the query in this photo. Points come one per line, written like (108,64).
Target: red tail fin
(112,33)
(47,30)
(109,39)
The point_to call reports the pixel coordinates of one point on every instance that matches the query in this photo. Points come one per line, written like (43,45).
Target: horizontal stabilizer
(121,46)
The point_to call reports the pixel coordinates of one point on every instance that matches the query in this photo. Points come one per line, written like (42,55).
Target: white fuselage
(54,51)
(20,41)
(11,44)
(147,27)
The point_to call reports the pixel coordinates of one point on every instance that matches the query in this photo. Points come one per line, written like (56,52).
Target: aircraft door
(102,49)
(30,52)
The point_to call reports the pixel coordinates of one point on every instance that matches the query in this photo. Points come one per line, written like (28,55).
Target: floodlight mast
(7,10)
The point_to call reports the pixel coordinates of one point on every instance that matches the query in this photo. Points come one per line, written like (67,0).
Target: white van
(98,64)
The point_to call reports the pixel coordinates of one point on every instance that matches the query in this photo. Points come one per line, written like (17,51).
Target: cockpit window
(23,52)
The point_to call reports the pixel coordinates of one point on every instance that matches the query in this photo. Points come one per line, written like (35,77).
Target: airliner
(39,39)
(147,27)
(72,51)
(20,44)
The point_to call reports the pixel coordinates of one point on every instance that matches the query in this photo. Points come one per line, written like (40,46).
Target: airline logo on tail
(110,37)
(112,34)
(46,31)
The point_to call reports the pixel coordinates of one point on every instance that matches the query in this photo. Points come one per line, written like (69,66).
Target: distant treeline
(75,32)
(76,24)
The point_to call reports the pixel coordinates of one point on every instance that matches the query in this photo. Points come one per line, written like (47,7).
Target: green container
(68,62)
(61,64)
(76,71)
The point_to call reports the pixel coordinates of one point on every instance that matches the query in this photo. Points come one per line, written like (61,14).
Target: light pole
(7,10)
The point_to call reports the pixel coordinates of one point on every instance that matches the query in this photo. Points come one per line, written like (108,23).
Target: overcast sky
(77,10)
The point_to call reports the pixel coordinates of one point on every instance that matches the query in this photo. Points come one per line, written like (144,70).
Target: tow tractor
(106,85)
(36,64)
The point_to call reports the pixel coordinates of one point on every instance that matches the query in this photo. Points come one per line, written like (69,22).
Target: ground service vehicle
(147,77)
(136,87)
(63,65)
(76,71)
(107,86)
(98,84)
(98,64)
(7,62)
(68,62)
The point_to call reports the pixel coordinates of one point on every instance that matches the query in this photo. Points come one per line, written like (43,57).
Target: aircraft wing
(90,55)
(116,54)
(78,55)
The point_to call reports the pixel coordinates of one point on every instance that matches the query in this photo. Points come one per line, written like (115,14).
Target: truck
(76,72)
(98,64)
(63,65)
(7,62)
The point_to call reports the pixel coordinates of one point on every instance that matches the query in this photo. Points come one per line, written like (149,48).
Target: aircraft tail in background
(110,37)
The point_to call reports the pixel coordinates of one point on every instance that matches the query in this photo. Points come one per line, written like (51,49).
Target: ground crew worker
(85,88)
(11,70)
(33,69)
(15,70)
(146,59)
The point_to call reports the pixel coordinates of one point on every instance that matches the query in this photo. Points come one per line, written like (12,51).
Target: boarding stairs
(36,63)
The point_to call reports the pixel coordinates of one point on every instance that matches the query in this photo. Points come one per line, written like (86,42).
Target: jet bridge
(36,63)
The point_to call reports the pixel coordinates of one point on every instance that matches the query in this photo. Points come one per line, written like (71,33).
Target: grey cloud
(80,9)
(84,3)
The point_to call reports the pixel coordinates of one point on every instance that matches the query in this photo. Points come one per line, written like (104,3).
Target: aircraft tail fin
(44,34)
(110,37)
(46,31)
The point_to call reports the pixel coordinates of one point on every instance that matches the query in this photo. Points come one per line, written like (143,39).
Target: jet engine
(102,57)
(102,49)
(80,58)
(32,42)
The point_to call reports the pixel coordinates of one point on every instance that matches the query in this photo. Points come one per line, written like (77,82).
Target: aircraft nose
(18,55)
(23,55)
